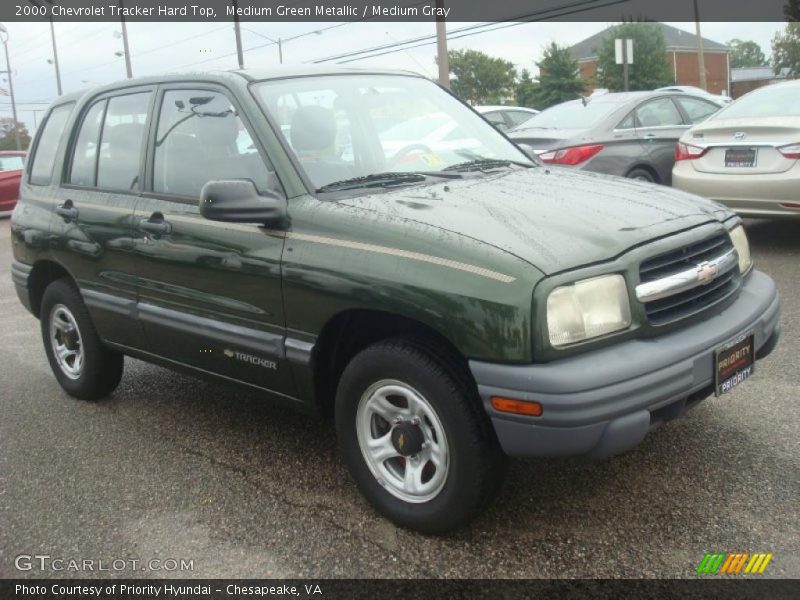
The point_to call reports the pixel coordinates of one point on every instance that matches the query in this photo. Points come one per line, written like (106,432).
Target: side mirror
(238,201)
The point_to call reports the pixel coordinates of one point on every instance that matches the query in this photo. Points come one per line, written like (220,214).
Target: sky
(87,56)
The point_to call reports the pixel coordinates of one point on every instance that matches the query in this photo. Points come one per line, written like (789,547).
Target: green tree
(650,69)
(527,92)
(746,53)
(559,77)
(479,78)
(792,10)
(786,50)
(7,140)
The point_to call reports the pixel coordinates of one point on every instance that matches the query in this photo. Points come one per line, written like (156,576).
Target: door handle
(155,224)
(650,136)
(67,210)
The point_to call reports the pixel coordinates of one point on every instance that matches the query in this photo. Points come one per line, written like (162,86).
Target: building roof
(757,74)
(676,39)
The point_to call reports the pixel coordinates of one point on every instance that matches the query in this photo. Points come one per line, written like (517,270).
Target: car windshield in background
(361,126)
(770,101)
(11,163)
(571,115)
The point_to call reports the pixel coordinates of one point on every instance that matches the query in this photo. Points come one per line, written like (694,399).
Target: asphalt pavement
(172,467)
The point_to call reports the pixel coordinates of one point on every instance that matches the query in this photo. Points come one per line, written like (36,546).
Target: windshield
(769,101)
(342,127)
(571,115)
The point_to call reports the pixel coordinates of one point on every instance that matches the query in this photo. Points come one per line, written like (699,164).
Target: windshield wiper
(387,179)
(481,164)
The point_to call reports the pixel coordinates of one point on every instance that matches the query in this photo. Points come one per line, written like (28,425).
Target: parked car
(747,156)
(11,165)
(696,91)
(626,134)
(446,318)
(506,117)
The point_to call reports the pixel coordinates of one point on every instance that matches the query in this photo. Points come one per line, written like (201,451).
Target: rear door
(659,125)
(210,292)
(93,224)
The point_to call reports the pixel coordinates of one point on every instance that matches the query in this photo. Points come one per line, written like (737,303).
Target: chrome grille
(668,308)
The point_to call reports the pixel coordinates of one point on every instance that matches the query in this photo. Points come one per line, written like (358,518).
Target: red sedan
(11,165)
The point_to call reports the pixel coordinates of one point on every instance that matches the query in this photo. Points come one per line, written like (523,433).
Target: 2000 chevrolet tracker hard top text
(449,303)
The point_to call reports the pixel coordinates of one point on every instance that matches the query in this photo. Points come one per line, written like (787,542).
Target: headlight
(588,309)
(739,239)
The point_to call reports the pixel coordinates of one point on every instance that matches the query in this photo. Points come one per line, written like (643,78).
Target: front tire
(415,437)
(83,366)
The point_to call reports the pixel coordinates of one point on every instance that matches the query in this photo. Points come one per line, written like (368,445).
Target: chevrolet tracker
(448,300)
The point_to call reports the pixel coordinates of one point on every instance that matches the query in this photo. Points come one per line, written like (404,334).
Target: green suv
(363,245)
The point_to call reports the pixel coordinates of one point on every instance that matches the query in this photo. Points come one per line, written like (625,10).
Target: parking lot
(171,467)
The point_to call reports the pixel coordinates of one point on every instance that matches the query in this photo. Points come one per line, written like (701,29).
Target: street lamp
(4,38)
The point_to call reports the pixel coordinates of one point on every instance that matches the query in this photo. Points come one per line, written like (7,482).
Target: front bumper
(604,402)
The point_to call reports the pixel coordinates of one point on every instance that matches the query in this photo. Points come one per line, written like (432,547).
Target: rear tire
(83,366)
(641,175)
(451,465)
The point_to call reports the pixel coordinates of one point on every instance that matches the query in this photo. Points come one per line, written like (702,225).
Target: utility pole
(441,46)
(238,34)
(125,49)
(280,51)
(701,55)
(4,33)
(625,64)
(55,56)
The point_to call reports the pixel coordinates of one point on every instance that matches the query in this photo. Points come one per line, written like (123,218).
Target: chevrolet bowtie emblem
(739,135)
(706,272)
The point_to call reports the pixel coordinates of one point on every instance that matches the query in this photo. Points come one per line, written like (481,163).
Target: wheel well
(43,274)
(647,168)
(349,332)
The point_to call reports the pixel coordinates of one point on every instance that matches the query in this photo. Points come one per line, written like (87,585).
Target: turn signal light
(688,152)
(517,407)
(570,156)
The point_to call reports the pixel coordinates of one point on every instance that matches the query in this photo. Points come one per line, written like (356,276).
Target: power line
(540,15)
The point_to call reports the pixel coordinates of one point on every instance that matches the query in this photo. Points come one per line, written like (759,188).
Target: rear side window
(121,142)
(496,119)
(84,157)
(518,117)
(53,128)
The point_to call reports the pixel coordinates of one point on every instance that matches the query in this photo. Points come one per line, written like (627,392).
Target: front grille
(691,302)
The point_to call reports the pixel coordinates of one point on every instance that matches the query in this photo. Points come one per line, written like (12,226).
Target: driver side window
(200,138)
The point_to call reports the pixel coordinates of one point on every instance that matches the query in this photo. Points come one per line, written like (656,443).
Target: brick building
(681,57)
(747,79)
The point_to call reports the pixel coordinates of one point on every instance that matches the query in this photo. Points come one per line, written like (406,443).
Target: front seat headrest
(313,129)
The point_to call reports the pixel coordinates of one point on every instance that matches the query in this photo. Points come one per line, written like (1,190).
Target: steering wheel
(422,148)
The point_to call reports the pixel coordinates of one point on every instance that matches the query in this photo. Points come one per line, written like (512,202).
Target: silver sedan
(747,156)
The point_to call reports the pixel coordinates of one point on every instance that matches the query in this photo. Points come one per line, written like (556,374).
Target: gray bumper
(604,402)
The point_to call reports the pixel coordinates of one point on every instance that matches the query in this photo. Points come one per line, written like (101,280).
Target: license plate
(740,157)
(733,363)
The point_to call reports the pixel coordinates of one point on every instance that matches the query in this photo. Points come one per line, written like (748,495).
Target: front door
(209,292)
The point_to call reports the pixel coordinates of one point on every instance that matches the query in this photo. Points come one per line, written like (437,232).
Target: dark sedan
(629,134)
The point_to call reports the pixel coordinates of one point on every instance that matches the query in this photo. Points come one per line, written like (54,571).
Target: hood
(555,219)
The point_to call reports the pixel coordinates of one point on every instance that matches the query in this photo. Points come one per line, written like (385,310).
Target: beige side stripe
(435,260)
